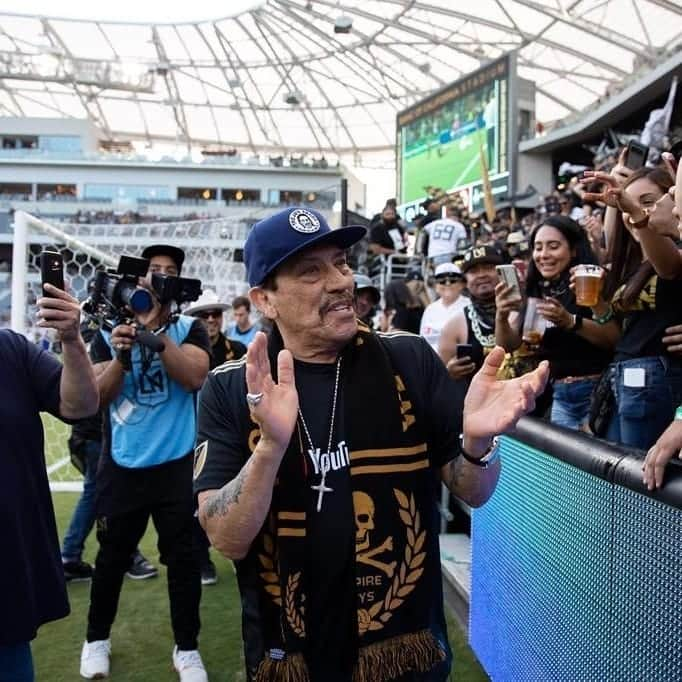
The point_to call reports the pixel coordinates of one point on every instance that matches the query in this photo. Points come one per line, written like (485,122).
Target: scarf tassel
(391,658)
(290,669)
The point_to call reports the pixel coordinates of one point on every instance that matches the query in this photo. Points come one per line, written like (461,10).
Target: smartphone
(510,277)
(464,350)
(636,155)
(52,270)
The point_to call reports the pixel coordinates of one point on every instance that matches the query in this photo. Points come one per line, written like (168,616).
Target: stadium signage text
(476,80)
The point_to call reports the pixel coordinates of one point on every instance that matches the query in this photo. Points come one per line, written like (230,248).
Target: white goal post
(212,247)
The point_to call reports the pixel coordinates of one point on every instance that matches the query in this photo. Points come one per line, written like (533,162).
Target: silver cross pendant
(321,488)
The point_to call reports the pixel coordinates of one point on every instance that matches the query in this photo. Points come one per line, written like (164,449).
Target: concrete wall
(536,170)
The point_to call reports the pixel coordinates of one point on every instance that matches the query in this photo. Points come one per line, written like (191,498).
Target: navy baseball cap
(275,238)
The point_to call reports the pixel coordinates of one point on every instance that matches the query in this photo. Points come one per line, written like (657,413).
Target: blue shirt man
(146,466)
(242,329)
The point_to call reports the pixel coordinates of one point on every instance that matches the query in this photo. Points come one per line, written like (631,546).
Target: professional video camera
(117,297)
(169,289)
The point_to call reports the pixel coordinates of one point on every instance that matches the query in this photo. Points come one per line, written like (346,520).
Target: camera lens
(140,301)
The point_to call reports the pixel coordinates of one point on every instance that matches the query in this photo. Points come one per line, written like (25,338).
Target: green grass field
(142,639)
(446,166)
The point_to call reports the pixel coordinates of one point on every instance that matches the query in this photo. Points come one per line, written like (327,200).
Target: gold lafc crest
(200,453)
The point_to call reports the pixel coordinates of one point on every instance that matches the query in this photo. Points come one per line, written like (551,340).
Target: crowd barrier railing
(576,567)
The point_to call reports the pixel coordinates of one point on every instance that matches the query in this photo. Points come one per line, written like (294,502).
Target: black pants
(201,543)
(118,535)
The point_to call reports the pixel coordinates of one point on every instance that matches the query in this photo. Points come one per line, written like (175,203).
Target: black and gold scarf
(396,531)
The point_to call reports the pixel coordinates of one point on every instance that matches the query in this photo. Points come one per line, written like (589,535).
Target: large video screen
(439,138)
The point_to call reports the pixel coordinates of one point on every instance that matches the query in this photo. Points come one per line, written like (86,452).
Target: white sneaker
(95,659)
(189,666)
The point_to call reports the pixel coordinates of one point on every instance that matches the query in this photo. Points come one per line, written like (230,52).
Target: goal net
(213,255)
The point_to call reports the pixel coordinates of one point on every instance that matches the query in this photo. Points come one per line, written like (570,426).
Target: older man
(32,589)
(209,308)
(317,464)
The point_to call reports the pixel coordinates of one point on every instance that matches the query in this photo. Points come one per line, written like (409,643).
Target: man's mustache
(347,299)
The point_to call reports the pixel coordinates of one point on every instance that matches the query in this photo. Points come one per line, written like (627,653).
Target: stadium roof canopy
(276,76)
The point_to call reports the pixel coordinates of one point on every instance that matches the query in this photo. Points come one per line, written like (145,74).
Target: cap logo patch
(304,221)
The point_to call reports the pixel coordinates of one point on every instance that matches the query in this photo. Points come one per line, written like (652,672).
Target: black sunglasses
(205,314)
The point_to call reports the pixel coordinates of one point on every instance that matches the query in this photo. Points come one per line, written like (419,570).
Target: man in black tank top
(475,324)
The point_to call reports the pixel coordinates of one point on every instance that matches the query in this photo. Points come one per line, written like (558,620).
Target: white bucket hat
(207,301)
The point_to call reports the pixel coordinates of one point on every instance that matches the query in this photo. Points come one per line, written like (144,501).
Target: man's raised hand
(277,411)
(493,406)
(60,311)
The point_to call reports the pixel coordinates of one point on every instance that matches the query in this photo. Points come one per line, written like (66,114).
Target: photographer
(146,465)
(32,588)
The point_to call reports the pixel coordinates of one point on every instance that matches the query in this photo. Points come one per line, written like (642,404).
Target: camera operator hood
(173,252)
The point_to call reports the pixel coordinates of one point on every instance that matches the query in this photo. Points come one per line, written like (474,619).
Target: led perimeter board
(439,138)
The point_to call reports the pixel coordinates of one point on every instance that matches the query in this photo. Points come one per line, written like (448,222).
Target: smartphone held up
(464,350)
(52,270)
(510,277)
(636,155)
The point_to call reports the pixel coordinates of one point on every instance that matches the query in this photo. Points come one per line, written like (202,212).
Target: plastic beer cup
(587,285)
(534,324)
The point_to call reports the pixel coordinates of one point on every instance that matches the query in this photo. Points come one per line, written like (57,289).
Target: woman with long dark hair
(643,291)
(576,358)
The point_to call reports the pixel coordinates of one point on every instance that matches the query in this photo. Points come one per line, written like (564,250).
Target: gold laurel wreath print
(294,614)
(270,577)
(405,579)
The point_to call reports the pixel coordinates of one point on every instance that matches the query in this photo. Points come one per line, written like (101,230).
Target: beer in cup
(587,285)
(534,324)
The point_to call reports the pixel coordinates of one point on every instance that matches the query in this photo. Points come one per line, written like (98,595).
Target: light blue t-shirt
(153,418)
(245,337)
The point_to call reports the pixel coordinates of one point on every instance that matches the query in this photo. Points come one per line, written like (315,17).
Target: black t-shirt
(390,236)
(569,354)
(657,307)
(224,350)
(88,429)
(225,424)
(32,589)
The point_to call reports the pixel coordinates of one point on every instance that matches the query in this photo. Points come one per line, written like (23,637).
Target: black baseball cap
(480,254)
(173,252)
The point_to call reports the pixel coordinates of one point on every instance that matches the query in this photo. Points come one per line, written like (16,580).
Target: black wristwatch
(491,455)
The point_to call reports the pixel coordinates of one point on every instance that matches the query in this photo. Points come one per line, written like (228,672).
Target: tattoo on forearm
(226,496)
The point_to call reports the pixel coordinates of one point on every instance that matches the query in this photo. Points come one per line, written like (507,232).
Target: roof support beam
(173,91)
(320,89)
(225,45)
